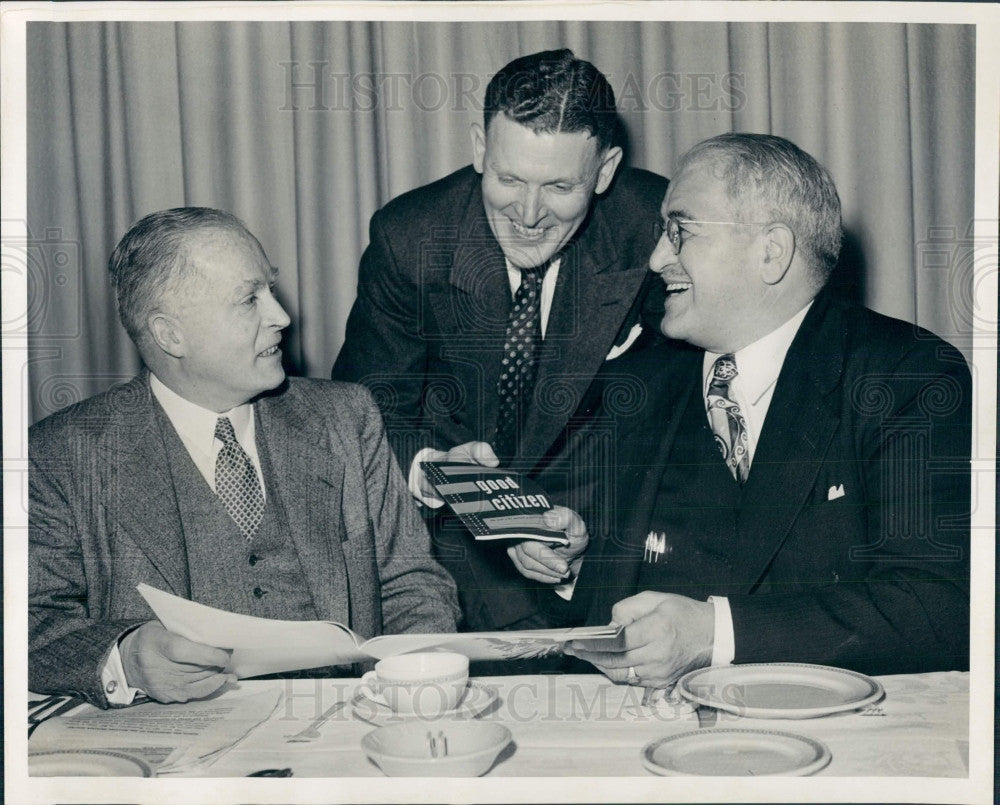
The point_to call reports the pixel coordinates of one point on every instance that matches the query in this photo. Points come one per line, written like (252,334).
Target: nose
(663,255)
(275,314)
(532,206)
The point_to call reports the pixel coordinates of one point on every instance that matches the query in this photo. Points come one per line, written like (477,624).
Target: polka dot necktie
(236,481)
(726,419)
(519,364)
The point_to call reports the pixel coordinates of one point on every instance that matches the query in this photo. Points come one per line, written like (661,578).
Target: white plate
(369,707)
(86,763)
(779,690)
(735,753)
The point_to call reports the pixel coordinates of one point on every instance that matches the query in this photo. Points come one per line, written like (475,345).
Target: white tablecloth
(585,726)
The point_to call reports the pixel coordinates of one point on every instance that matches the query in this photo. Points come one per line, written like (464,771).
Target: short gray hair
(772,177)
(150,261)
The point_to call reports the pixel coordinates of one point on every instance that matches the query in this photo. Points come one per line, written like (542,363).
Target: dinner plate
(86,763)
(779,690)
(735,753)
(367,706)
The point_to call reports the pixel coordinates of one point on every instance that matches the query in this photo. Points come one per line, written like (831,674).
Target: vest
(262,577)
(697,510)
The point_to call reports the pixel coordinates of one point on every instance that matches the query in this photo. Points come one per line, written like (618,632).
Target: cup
(422,684)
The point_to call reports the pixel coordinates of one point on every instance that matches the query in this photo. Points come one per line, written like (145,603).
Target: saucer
(372,708)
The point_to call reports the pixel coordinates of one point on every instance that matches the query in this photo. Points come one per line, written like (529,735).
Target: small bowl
(404,750)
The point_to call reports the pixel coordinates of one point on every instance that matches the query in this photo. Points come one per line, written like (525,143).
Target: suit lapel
(800,424)
(640,467)
(471,311)
(144,503)
(592,297)
(308,476)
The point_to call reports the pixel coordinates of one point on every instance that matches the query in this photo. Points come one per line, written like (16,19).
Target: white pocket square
(835,492)
(621,349)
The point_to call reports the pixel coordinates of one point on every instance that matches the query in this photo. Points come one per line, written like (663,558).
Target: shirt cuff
(116,687)
(724,643)
(413,481)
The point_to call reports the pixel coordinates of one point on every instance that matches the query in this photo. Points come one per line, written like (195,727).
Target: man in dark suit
(538,235)
(834,526)
(212,476)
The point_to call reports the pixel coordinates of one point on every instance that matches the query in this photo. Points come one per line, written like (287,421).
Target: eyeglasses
(672,229)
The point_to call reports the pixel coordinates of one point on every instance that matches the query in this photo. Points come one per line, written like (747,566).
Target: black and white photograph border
(392,82)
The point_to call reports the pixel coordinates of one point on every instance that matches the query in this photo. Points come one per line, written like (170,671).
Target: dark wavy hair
(553,91)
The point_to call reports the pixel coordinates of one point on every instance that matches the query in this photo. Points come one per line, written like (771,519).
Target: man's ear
(609,164)
(166,333)
(478,136)
(779,247)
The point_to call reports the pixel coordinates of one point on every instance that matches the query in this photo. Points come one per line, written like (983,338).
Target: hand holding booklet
(493,503)
(266,646)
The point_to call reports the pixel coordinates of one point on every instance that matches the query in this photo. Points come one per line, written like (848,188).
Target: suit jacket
(104,516)
(427,330)
(852,537)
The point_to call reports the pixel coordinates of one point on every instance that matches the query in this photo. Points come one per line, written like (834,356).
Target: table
(585,726)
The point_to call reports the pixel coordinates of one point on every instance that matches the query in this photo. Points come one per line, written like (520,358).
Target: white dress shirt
(514,277)
(196,427)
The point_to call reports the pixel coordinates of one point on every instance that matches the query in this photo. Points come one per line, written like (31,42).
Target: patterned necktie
(236,481)
(520,361)
(726,419)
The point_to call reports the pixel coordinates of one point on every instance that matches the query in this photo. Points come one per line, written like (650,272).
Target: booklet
(493,503)
(267,646)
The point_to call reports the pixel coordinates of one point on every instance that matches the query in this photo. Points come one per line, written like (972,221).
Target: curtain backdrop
(305,129)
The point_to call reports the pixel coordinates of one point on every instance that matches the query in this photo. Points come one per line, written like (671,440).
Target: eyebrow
(681,215)
(575,180)
(249,286)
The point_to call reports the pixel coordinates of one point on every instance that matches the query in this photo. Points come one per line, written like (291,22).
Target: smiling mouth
(267,353)
(536,233)
(674,288)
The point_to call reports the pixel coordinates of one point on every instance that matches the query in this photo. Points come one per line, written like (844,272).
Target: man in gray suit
(212,476)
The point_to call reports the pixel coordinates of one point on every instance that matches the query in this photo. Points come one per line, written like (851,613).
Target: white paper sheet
(171,738)
(265,646)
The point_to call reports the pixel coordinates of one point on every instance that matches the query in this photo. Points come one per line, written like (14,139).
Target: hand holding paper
(666,636)
(171,668)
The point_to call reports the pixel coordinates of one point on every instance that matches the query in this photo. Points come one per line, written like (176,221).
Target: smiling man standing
(212,477)
(488,300)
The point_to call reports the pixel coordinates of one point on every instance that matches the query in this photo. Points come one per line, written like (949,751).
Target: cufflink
(111,687)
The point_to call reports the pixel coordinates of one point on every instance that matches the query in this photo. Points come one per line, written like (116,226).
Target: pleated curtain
(304,129)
